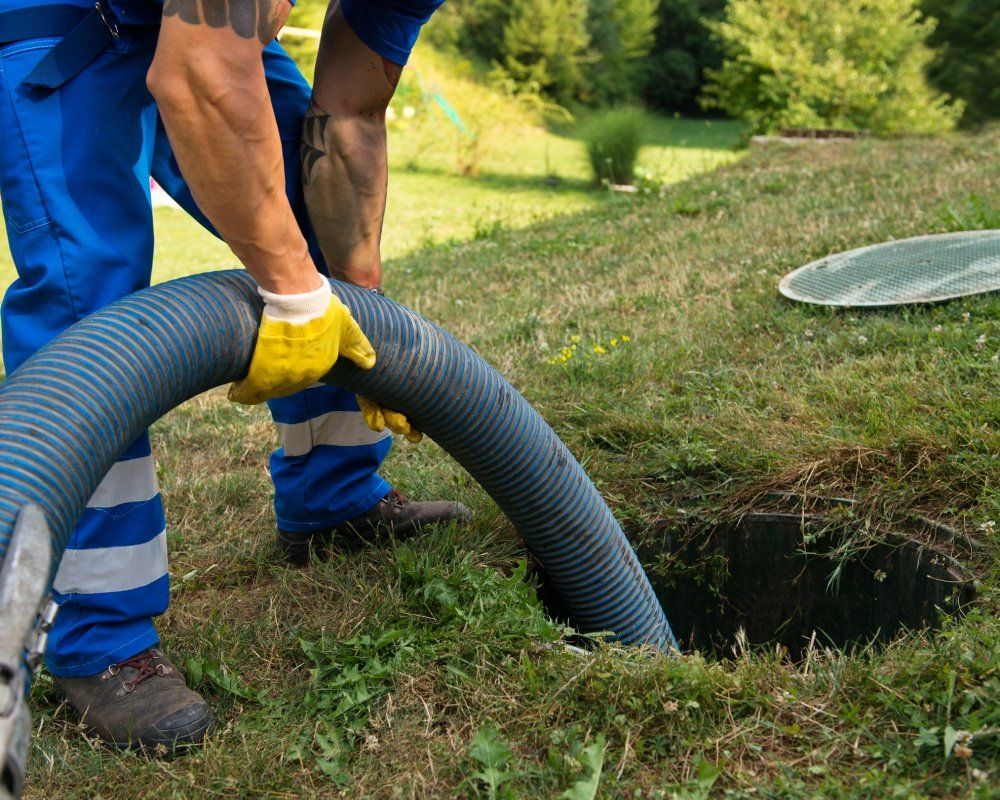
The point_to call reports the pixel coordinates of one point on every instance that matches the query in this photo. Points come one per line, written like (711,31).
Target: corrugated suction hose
(72,409)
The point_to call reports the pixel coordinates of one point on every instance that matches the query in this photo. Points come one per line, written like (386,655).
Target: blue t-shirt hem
(385,28)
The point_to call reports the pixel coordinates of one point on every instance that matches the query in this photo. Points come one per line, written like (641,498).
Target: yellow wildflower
(599,350)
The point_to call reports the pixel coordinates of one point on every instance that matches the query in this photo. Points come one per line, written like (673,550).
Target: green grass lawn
(532,175)
(428,668)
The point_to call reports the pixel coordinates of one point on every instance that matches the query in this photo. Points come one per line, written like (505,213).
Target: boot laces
(144,668)
(396,497)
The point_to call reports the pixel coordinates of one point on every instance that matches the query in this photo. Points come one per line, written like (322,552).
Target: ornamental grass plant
(613,139)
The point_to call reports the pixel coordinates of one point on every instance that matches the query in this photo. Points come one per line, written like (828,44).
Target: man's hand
(208,81)
(301,337)
(378,419)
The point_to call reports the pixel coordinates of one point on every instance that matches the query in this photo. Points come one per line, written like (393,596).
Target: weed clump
(613,140)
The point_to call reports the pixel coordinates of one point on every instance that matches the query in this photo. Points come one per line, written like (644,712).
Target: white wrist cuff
(297,308)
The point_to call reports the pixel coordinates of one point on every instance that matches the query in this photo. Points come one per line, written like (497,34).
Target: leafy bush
(613,140)
(968,61)
(445,117)
(855,64)
(683,49)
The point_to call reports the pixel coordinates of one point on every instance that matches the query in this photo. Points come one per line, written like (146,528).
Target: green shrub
(967,65)
(613,140)
(855,64)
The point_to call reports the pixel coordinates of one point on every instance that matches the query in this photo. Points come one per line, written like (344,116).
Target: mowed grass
(527,177)
(428,668)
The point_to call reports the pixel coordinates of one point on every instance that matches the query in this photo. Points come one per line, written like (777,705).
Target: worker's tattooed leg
(247,18)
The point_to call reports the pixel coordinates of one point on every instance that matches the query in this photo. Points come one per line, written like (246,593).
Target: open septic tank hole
(773,578)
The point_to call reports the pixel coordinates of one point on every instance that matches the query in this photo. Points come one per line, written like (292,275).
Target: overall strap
(84,35)
(38,22)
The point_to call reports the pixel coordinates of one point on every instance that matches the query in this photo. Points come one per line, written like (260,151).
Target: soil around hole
(790,578)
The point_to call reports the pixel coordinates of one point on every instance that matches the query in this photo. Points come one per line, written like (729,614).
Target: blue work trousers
(74,181)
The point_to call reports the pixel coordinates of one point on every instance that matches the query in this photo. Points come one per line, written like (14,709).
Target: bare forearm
(344,162)
(213,99)
(344,171)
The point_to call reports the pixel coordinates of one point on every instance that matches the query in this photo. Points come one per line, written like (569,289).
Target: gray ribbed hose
(72,409)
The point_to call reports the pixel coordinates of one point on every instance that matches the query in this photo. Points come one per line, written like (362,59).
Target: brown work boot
(394,515)
(139,702)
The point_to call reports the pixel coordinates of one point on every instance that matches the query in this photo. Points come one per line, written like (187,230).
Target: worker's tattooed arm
(344,160)
(247,18)
(208,82)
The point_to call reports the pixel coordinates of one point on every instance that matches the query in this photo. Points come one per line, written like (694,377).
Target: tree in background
(968,61)
(593,51)
(544,45)
(683,50)
(856,64)
(472,27)
(621,36)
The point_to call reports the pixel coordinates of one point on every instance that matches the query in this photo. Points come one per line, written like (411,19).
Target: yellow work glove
(301,336)
(378,419)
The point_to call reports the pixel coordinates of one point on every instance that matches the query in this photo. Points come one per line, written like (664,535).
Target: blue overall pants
(75,165)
